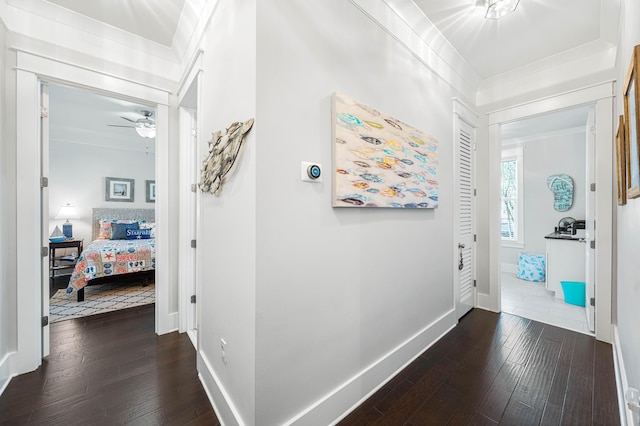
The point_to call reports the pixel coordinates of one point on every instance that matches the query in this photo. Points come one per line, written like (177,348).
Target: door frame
(30,71)
(601,96)
(187,152)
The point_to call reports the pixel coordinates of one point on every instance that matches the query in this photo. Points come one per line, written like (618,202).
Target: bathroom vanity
(565,260)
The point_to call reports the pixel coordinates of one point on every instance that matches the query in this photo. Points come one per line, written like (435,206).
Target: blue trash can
(574,292)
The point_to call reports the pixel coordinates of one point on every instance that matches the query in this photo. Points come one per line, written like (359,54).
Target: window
(512,217)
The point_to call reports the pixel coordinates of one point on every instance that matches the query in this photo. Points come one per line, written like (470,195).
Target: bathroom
(537,153)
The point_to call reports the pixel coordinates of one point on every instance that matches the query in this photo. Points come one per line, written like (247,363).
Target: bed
(123,246)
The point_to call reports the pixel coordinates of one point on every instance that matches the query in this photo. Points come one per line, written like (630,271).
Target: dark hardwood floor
(491,369)
(111,369)
(500,369)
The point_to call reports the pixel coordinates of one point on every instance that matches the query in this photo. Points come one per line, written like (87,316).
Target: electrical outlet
(223,351)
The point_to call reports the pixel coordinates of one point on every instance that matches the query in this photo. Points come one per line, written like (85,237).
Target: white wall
(339,290)
(227,233)
(77,174)
(628,233)
(543,156)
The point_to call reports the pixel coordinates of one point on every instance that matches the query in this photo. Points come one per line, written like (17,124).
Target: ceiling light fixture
(495,9)
(147,130)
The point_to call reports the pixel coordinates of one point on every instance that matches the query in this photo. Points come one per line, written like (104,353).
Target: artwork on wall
(562,187)
(223,152)
(632,125)
(621,162)
(119,189)
(151,191)
(379,161)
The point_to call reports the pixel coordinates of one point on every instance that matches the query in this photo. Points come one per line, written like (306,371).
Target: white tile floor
(532,300)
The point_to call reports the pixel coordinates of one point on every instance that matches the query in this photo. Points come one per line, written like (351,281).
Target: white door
(464,225)
(44,213)
(590,222)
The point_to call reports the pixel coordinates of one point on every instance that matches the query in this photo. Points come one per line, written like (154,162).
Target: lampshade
(498,8)
(147,131)
(67,212)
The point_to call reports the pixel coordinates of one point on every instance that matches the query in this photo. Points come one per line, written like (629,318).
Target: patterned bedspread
(103,258)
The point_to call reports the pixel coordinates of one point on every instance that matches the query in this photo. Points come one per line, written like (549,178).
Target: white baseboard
(509,267)
(485,301)
(225,410)
(626,415)
(7,370)
(341,401)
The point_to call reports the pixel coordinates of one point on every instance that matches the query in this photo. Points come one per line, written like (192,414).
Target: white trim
(226,411)
(465,112)
(30,70)
(626,415)
(509,267)
(487,302)
(7,367)
(338,403)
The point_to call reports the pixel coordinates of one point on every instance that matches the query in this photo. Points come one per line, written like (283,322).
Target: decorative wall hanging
(151,191)
(223,151)
(562,188)
(621,162)
(380,161)
(631,92)
(118,189)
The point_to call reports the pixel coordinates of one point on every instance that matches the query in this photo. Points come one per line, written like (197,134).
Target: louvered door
(464,219)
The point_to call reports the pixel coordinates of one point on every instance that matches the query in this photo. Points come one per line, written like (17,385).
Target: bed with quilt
(123,244)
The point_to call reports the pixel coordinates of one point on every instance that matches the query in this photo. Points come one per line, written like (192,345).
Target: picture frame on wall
(632,125)
(621,162)
(151,191)
(119,189)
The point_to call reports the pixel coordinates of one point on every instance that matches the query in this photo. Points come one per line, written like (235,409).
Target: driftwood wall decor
(223,152)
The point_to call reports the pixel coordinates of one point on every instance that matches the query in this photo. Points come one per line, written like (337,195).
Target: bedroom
(93,141)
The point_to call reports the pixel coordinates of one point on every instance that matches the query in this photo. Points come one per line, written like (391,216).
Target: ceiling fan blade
(128,119)
(117,125)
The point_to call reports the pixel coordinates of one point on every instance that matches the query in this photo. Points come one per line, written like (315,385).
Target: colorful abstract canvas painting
(380,161)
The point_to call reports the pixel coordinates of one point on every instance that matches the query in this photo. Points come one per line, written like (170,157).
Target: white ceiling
(155,20)
(537,30)
(574,118)
(79,116)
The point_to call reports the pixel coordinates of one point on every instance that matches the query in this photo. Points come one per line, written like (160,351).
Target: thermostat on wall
(310,172)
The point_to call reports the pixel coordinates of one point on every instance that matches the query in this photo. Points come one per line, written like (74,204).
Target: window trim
(517,154)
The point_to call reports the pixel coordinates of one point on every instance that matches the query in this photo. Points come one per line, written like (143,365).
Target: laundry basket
(532,267)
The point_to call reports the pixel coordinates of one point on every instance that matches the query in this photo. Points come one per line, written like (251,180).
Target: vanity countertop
(559,236)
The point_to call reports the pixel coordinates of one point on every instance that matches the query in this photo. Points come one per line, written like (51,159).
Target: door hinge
(475,192)
(194,187)
(44,112)
(592,302)
(593,244)
(474,283)
(593,187)
(44,251)
(475,238)
(45,321)
(44,182)
(193,299)
(193,243)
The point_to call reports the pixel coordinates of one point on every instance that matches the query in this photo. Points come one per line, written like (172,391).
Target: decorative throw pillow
(138,234)
(119,230)
(150,226)
(105,230)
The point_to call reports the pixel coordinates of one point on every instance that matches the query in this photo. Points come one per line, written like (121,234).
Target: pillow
(105,230)
(138,234)
(119,230)
(151,226)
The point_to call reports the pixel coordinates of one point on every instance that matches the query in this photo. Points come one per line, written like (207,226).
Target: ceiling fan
(145,127)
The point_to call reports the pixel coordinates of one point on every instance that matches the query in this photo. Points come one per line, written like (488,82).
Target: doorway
(601,131)
(93,138)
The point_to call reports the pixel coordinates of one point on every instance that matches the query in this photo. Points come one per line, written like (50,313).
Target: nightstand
(60,263)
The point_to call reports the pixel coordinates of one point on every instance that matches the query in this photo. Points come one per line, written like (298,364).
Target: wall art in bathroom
(380,161)
(562,187)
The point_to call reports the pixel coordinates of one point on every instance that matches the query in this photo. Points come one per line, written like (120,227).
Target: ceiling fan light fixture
(146,131)
(498,8)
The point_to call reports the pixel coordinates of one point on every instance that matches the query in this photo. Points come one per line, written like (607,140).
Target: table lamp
(67,212)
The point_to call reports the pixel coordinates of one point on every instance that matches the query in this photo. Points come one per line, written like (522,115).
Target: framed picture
(151,191)
(621,161)
(119,189)
(632,121)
